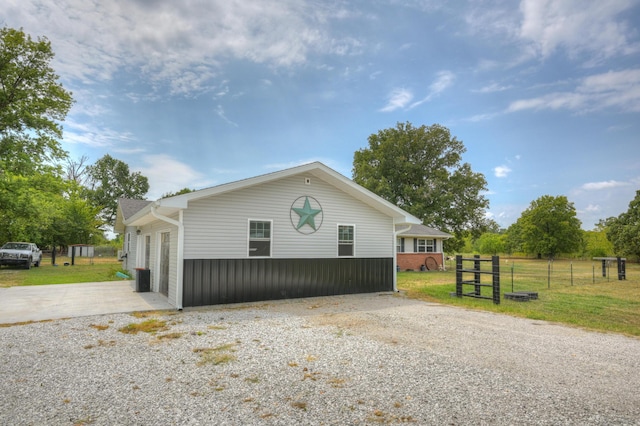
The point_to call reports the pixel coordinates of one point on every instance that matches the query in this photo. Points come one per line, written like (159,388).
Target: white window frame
(353,241)
(423,243)
(249,239)
(146,249)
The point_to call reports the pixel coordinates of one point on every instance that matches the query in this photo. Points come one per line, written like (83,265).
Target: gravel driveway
(360,359)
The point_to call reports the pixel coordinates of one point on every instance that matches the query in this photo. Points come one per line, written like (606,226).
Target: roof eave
(171,205)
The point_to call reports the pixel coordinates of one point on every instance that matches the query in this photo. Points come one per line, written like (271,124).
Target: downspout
(395,257)
(180,254)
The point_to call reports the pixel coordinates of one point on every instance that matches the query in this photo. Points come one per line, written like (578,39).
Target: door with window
(165,246)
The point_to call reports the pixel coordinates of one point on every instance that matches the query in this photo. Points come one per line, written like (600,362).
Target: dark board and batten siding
(220,281)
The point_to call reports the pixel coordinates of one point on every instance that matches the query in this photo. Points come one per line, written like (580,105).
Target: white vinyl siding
(420,245)
(216,227)
(154,230)
(130,248)
(400,245)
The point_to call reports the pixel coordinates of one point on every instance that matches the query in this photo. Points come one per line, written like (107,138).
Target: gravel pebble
(358,359)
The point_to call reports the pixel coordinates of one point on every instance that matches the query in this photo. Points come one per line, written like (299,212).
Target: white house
(301,232)
(420,248)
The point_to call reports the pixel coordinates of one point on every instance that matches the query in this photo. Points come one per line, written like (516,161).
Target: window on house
(147,251)
(400,245)
(425,246)
(345,240)
(259,238)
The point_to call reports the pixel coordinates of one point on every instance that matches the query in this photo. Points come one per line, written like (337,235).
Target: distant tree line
(421,170)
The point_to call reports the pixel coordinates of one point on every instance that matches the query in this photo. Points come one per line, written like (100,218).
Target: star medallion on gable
(307,215)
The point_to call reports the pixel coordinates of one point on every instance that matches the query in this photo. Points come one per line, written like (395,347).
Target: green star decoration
(307,215)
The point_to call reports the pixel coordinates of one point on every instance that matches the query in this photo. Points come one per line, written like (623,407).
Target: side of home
(420,248)
(301,232)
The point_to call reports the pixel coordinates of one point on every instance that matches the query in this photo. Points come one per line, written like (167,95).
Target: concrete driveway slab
(44,302)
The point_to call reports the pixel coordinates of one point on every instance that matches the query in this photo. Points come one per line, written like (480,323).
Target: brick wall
(413,261)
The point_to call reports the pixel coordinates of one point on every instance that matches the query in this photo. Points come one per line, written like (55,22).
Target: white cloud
(592,208)
(491,88)
(76,132)
(615,89)
(578,28)
(401,98)
(181,175)
(443,81)
(591,32)
(177,44)
(398,98)
(597,186)
(481,117)
(220,113)
(501,171)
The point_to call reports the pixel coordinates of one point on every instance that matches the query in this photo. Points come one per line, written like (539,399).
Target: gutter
(180,261)
(395,257)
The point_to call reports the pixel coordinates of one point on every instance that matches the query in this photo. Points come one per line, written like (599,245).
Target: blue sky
(544,94)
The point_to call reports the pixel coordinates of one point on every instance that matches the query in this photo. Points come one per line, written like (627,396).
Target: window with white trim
(346,240)
(425,246)
(400,245)
(259,238)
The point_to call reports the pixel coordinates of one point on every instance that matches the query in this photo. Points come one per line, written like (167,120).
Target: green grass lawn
(570,292)
(85,270)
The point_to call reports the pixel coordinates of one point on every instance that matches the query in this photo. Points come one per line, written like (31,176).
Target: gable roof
(419,230)
(127,208)
(171,205)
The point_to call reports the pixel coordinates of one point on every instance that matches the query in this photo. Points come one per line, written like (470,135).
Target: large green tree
(420,169)
(47,210)
(490,243)
(32,104)
(111,179)
(624,231)
(548,227)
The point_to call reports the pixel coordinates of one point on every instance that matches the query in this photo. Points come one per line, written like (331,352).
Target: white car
(25,254)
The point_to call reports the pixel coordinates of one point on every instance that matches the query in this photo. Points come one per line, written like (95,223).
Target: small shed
(81,250)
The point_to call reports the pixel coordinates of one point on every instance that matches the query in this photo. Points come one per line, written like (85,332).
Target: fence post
(495,266)
(476,275)
(512,266)
(458,275)
(622,273)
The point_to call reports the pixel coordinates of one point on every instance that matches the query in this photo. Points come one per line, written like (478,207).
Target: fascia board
(173,204)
